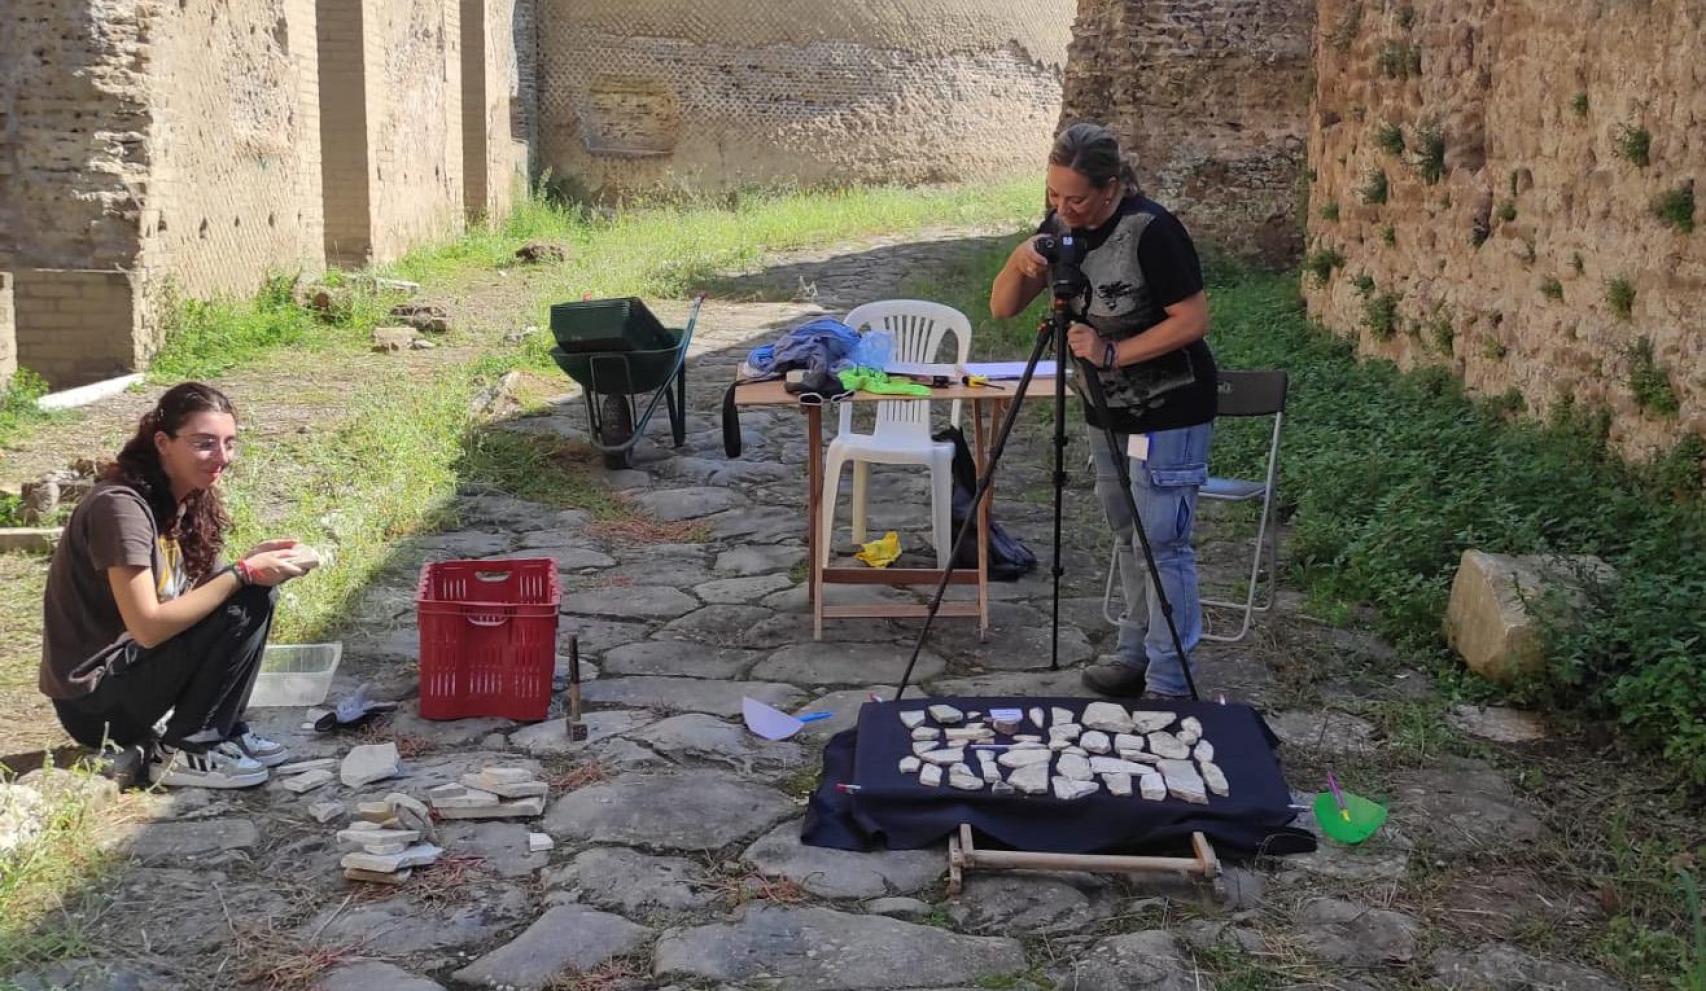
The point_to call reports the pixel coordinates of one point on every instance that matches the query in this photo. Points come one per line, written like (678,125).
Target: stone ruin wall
(638,95)
(496,141)
(414,124)
(1518,217)
(1211,97)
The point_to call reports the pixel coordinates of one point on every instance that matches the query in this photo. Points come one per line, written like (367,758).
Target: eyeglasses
(205,444)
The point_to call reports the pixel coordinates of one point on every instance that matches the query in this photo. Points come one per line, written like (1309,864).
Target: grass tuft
(1430,154)
(1390,138)
(1380,316)
(1633,144)
(1676,208)
(1620,296)
(1374,188)
(1649,381)
(1321,263)
(1551,288)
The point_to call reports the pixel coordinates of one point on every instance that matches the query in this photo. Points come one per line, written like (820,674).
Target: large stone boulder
(1490,621)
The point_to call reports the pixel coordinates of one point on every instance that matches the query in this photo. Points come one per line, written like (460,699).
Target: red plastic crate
(488,638)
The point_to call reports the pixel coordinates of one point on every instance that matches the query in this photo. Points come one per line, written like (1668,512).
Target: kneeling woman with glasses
(148,639)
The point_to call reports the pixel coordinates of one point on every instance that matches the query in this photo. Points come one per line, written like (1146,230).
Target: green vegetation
(1380,316)
(1374,188)
(1321,263)
(207,337)
(1676,208)
(1364,284)
(1344,33)
(1620,296)
(1507,211)
(1576,262)
(1649,381)
(1400,60)
(1579,104)
(18,410)
(1633,144)
(1406,17)
(1441,333)
(1551,288)
(1390,138)
(1430,154)
(1388,235)
(33,874)
(1330,210)
(1494,350)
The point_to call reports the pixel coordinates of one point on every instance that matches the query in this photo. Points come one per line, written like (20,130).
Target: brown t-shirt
(111,527)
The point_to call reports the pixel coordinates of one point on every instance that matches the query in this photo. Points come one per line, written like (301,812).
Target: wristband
(241,570)
(1110,356)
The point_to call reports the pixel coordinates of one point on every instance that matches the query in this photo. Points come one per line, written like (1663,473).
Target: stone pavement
(677,860)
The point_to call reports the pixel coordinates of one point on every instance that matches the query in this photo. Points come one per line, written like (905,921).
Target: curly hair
(199,523)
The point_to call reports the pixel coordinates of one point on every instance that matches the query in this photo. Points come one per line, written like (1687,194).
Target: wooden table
(991,400)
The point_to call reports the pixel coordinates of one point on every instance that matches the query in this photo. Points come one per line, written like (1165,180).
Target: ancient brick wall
(717,95)
(494,128)
(1211,97)
(1506,189)
(8,332)
(413,75)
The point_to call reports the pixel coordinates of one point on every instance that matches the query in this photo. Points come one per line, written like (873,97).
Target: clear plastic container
(296,674)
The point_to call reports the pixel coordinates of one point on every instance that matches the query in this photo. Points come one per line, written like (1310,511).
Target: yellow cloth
(880,553)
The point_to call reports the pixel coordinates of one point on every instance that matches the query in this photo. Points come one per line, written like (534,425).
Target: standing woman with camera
(1142,330)
(148,639)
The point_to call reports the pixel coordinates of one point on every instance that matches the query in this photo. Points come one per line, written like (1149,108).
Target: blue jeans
(1164,487)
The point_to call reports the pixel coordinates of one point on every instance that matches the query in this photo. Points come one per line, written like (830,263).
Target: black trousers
(203,676)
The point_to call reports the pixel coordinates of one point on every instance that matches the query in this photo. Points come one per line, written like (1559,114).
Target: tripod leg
(1061,356)
(969,524)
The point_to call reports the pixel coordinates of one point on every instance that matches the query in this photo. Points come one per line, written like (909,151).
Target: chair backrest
(918,327)
(1252,393)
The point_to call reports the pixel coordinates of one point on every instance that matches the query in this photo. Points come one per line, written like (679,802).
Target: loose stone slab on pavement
(566,938)
(403,925)
(718,698)
(843,873)
(1141,961)
(631,602)
(1501,967)
(705,737)
(733,591)
(680,810)
(552,735)
(630,882)
(1463,807)
(743,561)
(997,903)
(729,626)
(169,842)
(1356,935)
(568,558)
(689,503)
(758,524)
(1324,731)
(832,951)
(374,975)
(503,846)
(831,663)
(680,658)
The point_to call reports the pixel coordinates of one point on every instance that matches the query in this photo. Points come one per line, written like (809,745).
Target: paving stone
(898,907)
(407,722)
(504,512)
(829,663)
(1501,967)
(794,599)
(1018,640)
(832,951)
(1067,683)
(631,602)
(552,735)
(566,938)
(566,536)
(1139,961)
(568,558)
(759,560)
(719,698)
(58,785)
(688,503)
(759,524)
(733,591)
(428,772)
(713,471)
(1498,723)
(844,706)
(368,763)
(373,975)
(1032,903)
(705,737)
(1240,675)
(171,841)
(1355,935)
(90,975)
(680,810)
(680,658)
(456,546)
(1322,731)
(786,629)
(678,565)
(1461,808)
(843,873)
(1207,935)
(617,754)
(597,635)
(504,846)
(630,882)
(174,905)
(729,626)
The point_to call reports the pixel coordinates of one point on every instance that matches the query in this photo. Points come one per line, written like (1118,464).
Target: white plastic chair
(902,432)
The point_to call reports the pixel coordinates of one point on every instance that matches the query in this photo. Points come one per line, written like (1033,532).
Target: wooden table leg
(814,507)
(982,436)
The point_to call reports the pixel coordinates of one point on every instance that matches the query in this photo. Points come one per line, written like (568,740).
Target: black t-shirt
(1141,261)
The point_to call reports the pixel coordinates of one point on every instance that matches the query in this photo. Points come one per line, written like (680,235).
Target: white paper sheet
(768,721)
(993,370)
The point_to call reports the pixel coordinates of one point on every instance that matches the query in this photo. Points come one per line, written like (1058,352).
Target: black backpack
(1009,558)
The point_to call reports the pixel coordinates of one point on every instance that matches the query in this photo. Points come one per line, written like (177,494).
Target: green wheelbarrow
(617,351)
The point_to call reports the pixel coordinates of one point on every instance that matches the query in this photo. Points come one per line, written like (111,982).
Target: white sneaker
(223,765)
(260,748)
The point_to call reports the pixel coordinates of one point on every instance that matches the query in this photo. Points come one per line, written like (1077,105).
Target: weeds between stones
(448,880)
(579,776)
(279,961)
(610,975)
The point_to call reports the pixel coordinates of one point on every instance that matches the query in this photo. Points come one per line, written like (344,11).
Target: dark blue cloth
(819,343)
(894,810)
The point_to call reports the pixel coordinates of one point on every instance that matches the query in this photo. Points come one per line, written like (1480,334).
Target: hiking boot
(223,765)
(1121,680)
(259,748)
(1164,697)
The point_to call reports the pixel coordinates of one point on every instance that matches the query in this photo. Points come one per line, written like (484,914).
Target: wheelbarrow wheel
(616,425)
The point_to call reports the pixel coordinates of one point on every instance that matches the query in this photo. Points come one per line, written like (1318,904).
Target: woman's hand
(275,544)
(1027,260)
(1086,343)
(271,567)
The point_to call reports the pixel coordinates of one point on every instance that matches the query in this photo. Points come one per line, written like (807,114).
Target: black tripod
(1068,286)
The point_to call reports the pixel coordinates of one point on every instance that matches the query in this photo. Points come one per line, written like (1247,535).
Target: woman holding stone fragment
(148,640)
(1143,331)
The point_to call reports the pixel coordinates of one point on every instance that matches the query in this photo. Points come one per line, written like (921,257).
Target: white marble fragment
(1152,786)
(1118,784)
(1025,758)
(1113,765)
(926,733)
(1188,738)
(1058,716)
(1069,789)
(1031,779)
(1107,717)
(1074,767)
(1095,741)
(947,715)
(1215,778)
(1076,751)
(970,734)
(539,842)
(965,782)
(923,746)
(912,718)
(1037,717)
(1148,721)
(1168,746)
(987,762)
(1027,738)
(1000,788)
(1190,724)
(943,757)
(1127,741)
(1183,781)
(1064,731)
(1203,751)
(931,775)
(910,765)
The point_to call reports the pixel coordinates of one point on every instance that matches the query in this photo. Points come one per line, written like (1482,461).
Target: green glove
(876,381)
